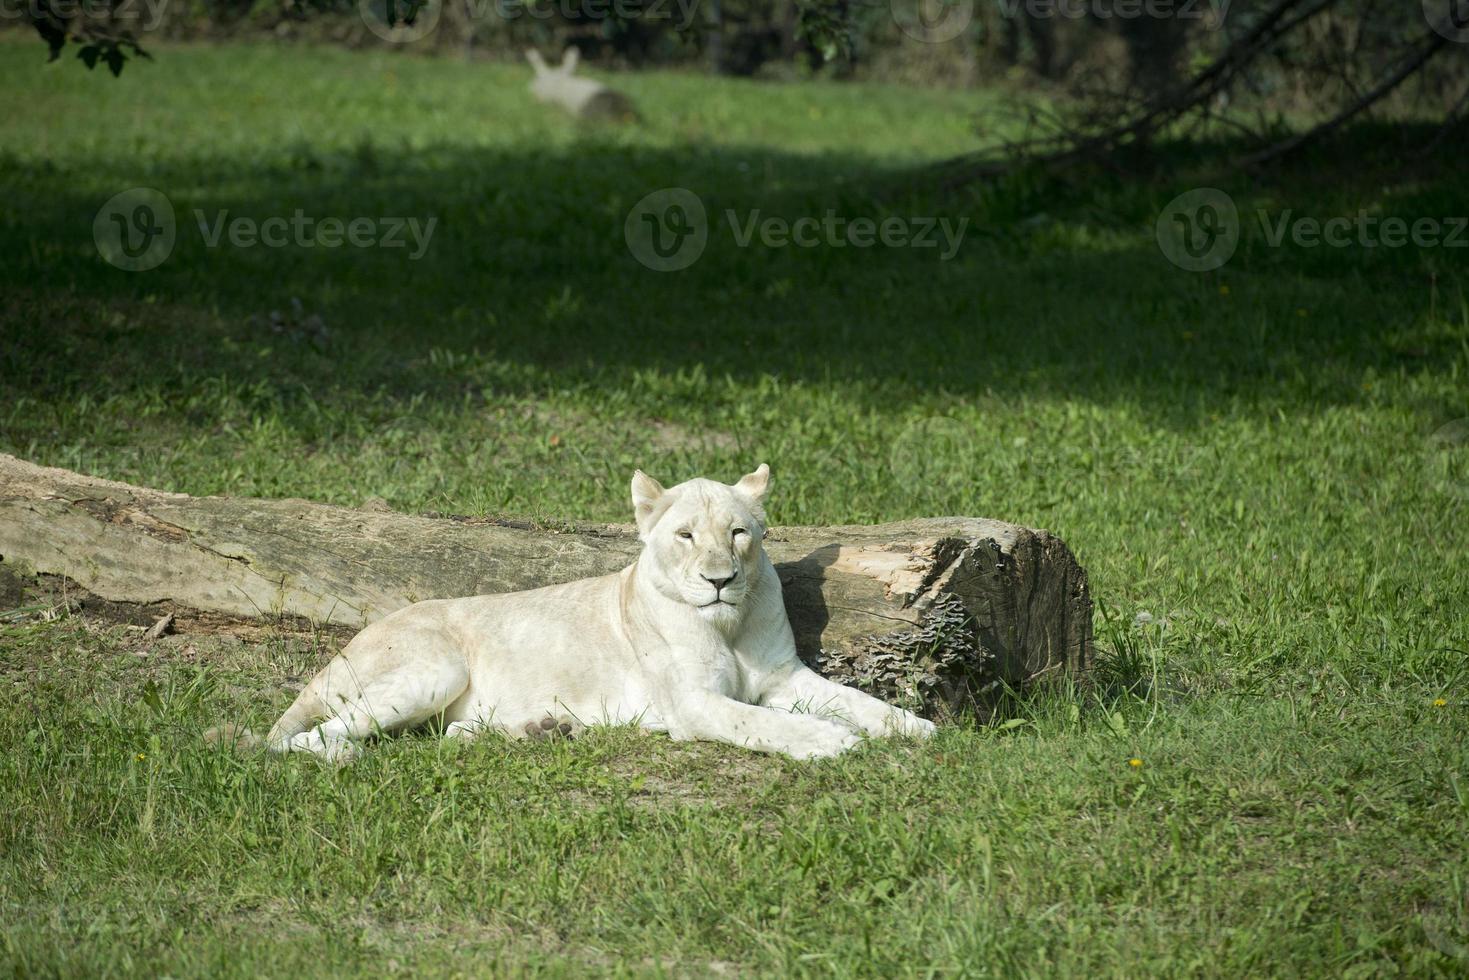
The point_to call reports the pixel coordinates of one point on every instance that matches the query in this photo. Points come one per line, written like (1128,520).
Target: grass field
(1247,455)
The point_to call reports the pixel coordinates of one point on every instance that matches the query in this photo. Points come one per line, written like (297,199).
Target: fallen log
(931,613)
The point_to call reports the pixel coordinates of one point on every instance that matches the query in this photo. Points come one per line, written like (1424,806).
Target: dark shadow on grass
(1057,288)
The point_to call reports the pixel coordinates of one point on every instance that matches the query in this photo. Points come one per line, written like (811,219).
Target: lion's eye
(686,535)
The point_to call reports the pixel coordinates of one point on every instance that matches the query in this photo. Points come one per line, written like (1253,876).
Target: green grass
(1247,455)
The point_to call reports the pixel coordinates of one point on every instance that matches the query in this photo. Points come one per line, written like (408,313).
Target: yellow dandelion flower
(1303,312)
(1135,763)
(140,757)
(1223,290)
(1439,702)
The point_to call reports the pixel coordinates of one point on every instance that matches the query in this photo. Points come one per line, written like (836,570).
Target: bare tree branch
(1427,48)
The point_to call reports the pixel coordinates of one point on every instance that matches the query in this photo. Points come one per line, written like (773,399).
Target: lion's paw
(552,726)
(903,724)
(917,727)
(829,740)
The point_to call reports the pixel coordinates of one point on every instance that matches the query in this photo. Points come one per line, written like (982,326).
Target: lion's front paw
(552,726)
(825,741)
(908,724)
(919,727)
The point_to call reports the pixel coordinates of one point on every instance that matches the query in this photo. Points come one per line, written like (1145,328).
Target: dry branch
(1432,45)
(1166,108)
(932,611)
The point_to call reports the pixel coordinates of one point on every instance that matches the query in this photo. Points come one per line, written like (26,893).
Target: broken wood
(930,613)
(164,625)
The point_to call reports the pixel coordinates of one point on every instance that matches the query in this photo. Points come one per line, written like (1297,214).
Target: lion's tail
(300,716)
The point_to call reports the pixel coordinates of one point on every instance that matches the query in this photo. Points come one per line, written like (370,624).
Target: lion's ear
(645,494)
(755,484)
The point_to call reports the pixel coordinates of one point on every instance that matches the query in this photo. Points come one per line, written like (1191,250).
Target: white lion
(692,639)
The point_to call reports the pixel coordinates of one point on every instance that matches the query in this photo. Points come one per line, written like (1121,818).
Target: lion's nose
(720,583)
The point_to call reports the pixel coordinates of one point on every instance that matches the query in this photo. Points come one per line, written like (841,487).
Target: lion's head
(702,540)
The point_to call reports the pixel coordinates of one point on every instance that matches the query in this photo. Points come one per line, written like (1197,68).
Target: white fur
(663,644)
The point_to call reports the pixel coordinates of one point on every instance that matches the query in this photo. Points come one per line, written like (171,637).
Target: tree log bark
(931,613)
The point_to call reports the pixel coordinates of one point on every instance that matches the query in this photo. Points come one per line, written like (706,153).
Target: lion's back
(563,644)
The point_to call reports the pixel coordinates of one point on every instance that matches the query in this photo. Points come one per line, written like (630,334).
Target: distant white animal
(584,98)
(691,639)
